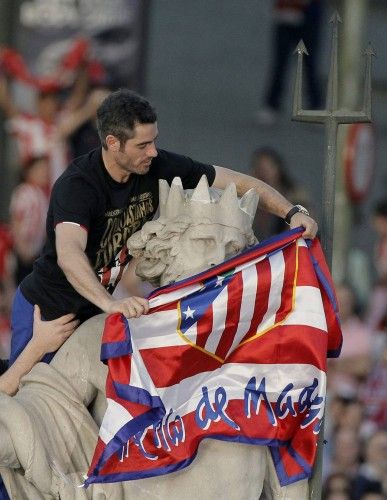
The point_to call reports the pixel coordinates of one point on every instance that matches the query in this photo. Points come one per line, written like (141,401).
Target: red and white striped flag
(237,353)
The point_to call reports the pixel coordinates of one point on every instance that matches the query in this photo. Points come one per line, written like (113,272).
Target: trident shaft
(331,117)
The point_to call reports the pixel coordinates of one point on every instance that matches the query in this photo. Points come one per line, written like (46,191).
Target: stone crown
(204,203)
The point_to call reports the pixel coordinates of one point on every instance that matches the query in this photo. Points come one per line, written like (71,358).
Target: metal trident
(331,116)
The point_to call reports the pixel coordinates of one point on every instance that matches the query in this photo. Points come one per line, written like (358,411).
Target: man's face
(135,156)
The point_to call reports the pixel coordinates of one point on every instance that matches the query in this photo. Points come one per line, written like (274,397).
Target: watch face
(302,209)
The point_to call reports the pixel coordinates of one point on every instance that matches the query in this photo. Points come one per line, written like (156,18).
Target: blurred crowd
(60,127)
(356,415)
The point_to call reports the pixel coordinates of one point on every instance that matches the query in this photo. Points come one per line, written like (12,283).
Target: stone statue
(194,232)
(49,429)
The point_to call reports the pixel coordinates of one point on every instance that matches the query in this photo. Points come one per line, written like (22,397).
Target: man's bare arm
(269,199)
(47,336)
(71,243)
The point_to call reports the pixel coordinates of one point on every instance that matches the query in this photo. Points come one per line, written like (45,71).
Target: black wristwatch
(294,210)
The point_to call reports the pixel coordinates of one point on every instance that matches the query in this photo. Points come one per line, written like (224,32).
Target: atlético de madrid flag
(236,353)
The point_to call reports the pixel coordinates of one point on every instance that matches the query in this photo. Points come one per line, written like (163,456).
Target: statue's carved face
(171,250)
(205,245)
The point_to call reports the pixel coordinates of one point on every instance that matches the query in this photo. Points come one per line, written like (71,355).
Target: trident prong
(369,53)
(333,78)
(297,94)
(331,111)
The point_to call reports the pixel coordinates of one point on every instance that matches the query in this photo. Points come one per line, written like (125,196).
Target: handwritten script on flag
(236,353)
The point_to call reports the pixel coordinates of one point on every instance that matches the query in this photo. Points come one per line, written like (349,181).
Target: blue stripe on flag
(137,424)
(200,301)
(283,478)
(115,350)
(335,353)
(138,395)
(128,476)
(111,350)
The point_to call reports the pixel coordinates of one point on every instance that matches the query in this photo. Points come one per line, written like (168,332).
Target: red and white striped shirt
(28,208)
(37,137)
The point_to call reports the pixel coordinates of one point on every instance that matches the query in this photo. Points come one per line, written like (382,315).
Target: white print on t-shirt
(112,256)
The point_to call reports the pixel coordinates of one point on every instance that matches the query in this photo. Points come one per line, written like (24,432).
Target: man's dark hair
(120,112)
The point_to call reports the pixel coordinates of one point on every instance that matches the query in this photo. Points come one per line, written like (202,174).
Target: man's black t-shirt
(110,211)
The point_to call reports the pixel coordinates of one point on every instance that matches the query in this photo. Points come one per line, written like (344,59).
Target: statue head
(197,229)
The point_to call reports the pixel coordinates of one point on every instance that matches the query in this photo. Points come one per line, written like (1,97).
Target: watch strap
(295,210)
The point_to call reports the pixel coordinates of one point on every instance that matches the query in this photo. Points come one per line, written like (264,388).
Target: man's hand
(310,225)
(131,307)
(71,242)
(48,336)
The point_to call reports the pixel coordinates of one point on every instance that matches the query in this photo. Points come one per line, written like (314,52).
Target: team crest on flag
(236,353)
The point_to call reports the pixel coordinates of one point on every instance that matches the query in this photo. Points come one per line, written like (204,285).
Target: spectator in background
(335,485)
(344,429)
(46,132)
(352,416)
(267,165)
(353,365)
(370,495)
(6,264)
(372,474)
(377,309)
(374,393)
(346,452)
(28,210)
(36,134)
(293,20)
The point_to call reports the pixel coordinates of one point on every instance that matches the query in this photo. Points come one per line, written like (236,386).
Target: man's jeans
(22,322)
